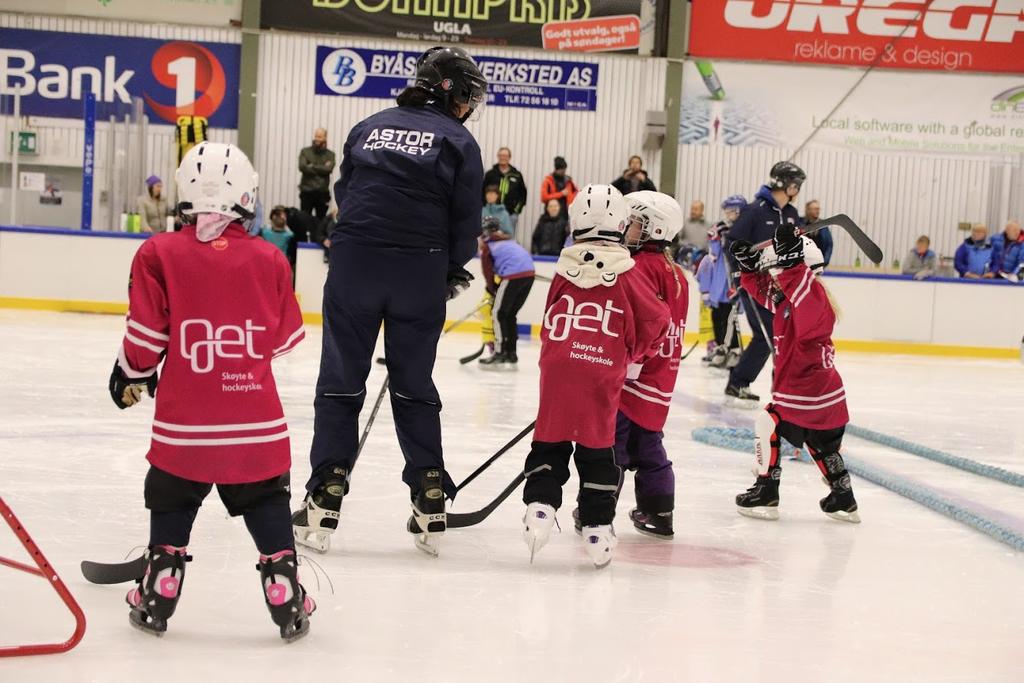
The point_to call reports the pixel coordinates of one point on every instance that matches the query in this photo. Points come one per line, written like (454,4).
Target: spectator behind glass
(1008,250)
(973,258)
(823,237)
(493,208)
(634,178)
(281,236)
(510,183)
(152,207)
(316,163)
(920,262)
(692,241)
(551,231)
(559,185)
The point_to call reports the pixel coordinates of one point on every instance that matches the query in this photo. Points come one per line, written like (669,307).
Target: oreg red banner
(949,35)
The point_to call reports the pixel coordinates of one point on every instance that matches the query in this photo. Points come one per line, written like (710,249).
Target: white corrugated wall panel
(893,197)
(596,144)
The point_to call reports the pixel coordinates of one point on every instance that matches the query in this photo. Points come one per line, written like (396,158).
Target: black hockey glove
(745,255)
(789,246)
(458,281)
(127,391)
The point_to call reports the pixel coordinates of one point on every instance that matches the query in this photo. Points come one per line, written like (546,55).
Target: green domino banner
(563,25)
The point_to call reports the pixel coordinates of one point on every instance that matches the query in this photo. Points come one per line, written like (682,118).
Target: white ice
(908,595)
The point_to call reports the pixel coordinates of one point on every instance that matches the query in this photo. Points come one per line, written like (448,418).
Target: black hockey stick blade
(114,572)
(683,357)
(473,356)
(461,520)
(840,220)
(501,451)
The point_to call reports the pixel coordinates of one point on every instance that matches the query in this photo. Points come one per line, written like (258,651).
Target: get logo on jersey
(201,344)
(53,71)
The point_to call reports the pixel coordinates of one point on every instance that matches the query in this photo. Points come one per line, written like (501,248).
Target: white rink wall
(72,271)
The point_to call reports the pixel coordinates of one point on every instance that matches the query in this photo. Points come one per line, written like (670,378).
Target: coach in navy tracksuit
(772,205)
(408,220)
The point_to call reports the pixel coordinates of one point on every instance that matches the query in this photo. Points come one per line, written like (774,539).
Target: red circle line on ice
(685,556)
(194,74)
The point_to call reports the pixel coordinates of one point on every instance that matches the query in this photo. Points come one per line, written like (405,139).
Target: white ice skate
(313,526)
(537,523)
(429,519)
(600,542)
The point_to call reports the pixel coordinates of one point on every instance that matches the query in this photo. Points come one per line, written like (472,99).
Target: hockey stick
(373,414)
(683,357)
(501,451)
(841,220)
(115,572)
(473,356)
(461,520)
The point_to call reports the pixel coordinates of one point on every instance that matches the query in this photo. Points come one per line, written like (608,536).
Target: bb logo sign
(343,71)
(202,343)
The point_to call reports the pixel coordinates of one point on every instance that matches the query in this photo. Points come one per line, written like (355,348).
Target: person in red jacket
(559,185)
(599,318)
(215,306)
(808,399)
(655,219)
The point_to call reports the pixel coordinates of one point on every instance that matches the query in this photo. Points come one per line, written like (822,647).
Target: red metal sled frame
(44,570)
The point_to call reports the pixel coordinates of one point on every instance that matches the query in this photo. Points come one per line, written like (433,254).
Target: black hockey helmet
(451,75)
(786,173)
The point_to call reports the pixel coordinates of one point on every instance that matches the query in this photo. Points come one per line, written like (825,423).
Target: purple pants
(642,451)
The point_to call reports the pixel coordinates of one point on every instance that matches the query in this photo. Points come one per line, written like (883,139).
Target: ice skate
(600,542)
(656,525)
(537,523)
(733,359)
(500,362)
(287,601)
(576,523)
(429,519)
(712,350)
(153,601)
(318,518)
(718,358)
(840,503)
(741,397)
(761,500)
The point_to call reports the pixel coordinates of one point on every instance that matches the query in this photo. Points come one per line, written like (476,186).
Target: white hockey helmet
(813,257)
(215,177)
(598,213)
(659,215)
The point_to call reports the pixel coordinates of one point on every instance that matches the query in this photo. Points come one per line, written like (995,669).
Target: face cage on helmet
(645,230)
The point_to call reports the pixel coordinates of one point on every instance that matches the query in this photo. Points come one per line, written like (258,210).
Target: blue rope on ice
(742,440)
(965,464)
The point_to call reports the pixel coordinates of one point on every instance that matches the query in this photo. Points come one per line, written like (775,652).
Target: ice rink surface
(908,595)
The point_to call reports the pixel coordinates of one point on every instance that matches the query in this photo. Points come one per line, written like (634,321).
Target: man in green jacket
(316,163)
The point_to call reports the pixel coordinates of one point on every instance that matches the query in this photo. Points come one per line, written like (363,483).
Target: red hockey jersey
(219,311)
(807,391)
(646,400)
(592,330)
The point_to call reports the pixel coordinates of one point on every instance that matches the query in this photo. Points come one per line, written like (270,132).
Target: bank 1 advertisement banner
(733,103)
(935,35)
(52,71)
(533,83)
(568,25)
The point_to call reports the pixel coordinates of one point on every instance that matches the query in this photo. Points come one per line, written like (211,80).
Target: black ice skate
(840,503)
(318,518)
(154,599)
(653,524)
(429,519)
(287,601)
(761,500)
(742,397)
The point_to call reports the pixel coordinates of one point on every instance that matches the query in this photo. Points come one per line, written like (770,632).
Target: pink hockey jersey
(589,337)
(646,400)
(217,313)
(807,390)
